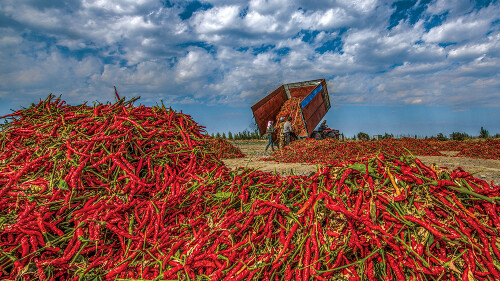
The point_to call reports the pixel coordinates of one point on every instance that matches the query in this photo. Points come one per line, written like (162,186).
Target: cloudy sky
(402,67)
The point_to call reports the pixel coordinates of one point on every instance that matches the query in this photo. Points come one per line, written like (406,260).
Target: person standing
(322,126)
(270,132)
(279,129)
(287,130)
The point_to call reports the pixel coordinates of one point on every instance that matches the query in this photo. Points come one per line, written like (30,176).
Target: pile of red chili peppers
(222,147)
(117,191)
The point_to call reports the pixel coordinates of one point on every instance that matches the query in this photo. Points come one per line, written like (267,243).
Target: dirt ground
(488,170)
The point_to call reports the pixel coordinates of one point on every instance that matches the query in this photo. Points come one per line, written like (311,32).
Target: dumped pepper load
(117,191)
(291,108)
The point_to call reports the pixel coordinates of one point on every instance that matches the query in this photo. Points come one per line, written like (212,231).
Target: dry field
(486,169)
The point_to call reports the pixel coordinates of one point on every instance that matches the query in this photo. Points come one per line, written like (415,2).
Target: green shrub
(459,136)
(484,134)
(363,136)
(441,137)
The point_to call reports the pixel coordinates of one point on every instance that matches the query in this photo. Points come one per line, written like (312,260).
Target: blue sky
(402,67)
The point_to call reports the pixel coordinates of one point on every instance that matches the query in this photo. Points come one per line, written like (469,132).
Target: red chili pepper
(306,205)
(315,247)
(275,205)
(307,260)
(117,270)
(287,242)
(427,226)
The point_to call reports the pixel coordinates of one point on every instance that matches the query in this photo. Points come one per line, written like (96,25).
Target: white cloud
(357,41)
(455,7)
(261,23)
(216,19)
(195,65)
(318,20)
(360,6)
(28,15)
(480,67)
(457,31)
(381,87)
(269,6)
(470,50)
(416,100)
(10,40)
(118,6)
(462,23)
(75,44)
(419,68)
(488,46)
(427,53)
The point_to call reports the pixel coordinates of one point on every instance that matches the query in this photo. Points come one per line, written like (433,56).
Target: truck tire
(316,135)
(331,135)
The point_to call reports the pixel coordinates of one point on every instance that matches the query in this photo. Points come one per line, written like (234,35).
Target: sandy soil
(488,170)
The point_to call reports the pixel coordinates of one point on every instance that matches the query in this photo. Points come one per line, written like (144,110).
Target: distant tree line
(245,135)
(458,136)
(483,134)
(365,136)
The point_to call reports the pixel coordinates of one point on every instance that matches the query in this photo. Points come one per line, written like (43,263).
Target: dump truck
(314,104)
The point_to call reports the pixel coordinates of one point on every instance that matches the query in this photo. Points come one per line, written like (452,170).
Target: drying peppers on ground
(334,152)
(124,192)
